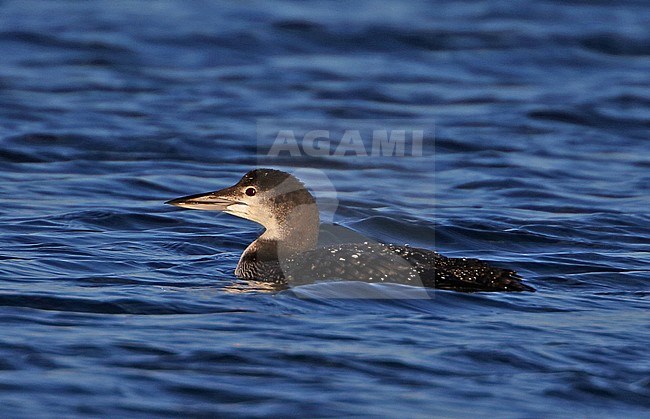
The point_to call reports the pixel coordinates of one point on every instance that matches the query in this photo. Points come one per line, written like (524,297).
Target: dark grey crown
(286,187)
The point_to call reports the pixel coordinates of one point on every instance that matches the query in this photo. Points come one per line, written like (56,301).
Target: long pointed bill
(210,201)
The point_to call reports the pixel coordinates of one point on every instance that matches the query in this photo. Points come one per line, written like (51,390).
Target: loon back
(287,251)
(376,262)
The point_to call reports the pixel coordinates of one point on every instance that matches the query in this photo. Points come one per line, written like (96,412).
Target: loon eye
(250,191)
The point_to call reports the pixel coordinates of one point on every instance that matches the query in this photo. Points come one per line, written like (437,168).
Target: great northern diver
(288,252)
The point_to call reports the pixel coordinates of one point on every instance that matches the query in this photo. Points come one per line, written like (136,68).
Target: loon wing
(461,274)
(376,262)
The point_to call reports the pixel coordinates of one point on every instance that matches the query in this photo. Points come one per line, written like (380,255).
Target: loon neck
(292,232)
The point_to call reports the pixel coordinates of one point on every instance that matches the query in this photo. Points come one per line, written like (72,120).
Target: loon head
(275,199)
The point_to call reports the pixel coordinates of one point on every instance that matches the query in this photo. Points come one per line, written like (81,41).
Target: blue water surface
(113,304)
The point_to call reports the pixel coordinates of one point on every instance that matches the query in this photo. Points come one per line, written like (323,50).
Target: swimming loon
(288,252)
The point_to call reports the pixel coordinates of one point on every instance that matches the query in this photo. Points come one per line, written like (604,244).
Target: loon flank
(288,252)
